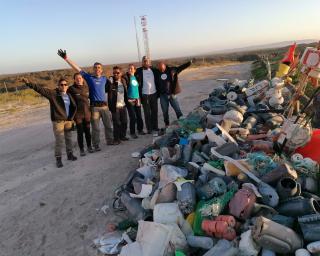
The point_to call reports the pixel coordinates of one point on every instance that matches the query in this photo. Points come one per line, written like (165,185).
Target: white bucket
(167,213)
(315,73)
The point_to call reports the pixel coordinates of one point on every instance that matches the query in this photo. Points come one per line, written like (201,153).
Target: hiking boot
(116,142)
(59,162)
(90,149)
(71,157)
(97,148)
(124,138)
(82,153)
(141,133)
(162,131)
(134,136)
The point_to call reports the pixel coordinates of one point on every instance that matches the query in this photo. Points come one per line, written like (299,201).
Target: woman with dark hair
(134,103)
(62,111)
(82,117)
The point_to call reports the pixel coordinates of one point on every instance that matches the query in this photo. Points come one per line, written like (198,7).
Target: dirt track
(48,211)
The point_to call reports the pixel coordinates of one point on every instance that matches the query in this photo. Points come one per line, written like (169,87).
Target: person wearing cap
(134,103)
(62,111)
(98,86)
(169,88)
(82,117)
(149,93)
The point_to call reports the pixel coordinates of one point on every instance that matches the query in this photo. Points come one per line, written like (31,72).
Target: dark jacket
(139,76)
(126,77)
(80,95)
(113,94)
(168,79)
(57,108)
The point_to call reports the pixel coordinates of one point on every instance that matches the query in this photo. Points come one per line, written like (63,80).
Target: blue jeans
(164,102)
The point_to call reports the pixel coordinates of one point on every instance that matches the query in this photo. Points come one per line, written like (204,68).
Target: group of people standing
(110,99)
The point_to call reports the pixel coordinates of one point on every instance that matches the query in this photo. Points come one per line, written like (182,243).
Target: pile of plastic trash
(232,178)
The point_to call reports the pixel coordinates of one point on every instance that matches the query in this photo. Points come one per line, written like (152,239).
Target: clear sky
(31,31)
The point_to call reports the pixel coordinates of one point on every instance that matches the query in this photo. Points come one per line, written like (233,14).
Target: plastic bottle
(186,153)
(179,253)
(266,252)
(302,252)
(222,248)
(200,242)
(133,206)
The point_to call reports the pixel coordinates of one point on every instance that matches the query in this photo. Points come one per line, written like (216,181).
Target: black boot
(58,162)
(71,157)
(82,153)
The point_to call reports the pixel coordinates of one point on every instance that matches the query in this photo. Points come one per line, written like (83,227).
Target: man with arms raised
(98,86)
(168,88)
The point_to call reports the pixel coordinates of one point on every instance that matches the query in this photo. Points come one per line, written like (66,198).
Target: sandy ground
(48,211)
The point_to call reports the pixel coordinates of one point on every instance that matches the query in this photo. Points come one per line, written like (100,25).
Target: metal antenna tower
(145,35)
(137,39)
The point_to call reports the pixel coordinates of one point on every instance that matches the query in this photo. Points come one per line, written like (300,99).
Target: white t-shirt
(149,86)
(120,96)
(66,101)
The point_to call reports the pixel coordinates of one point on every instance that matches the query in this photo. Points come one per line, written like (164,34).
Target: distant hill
(264,46)
(49,78)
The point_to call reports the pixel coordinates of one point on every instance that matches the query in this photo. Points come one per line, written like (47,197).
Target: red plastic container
(219,229)
(212,226)
(312,148)
(227,218)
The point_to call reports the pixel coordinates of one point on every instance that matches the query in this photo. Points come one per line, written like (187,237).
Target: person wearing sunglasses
(98,87)
(80,93)
(134,103)
(62,111)
(118,100)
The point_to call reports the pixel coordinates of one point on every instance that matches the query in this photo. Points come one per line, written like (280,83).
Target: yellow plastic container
(232,170)
(288,80)
(190,218)
(282,70)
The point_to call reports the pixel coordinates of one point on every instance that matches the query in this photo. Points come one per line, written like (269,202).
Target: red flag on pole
(289,57)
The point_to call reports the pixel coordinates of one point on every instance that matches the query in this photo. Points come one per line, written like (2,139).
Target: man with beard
(168,88)
(149,93)
(98,86)
(118,100)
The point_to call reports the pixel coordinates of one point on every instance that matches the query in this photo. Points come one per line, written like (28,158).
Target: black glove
(62,53)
